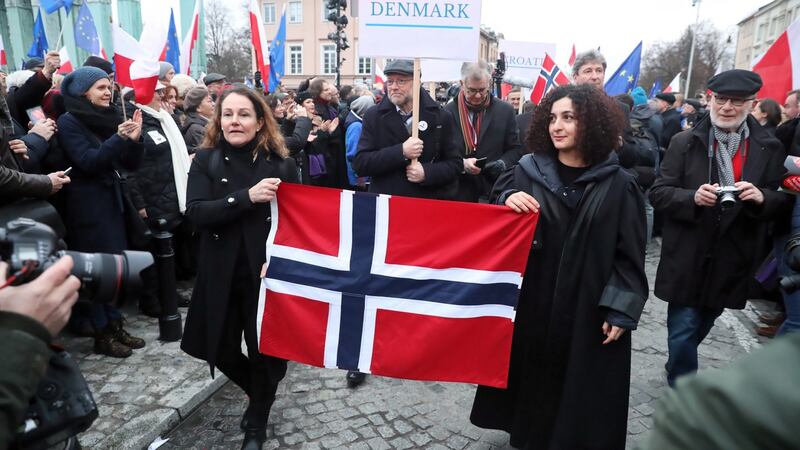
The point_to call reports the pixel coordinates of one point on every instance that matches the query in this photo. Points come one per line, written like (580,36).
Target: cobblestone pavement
(315,409)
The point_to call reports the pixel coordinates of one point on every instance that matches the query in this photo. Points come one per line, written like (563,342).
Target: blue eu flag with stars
(627,76)
(172,54)
(39,46)
(277,56)
(85,31)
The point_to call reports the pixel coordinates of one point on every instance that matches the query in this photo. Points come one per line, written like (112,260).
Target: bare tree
(666,59)
(228,46)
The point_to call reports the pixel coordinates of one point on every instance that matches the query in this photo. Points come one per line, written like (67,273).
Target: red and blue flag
(407,288)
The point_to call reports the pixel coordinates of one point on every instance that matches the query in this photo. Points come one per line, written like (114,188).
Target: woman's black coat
(566,390)
(220,207)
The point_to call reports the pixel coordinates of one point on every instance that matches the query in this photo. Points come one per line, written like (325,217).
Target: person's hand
(19,148)
(415,172)
(470,167)
(143,213)
(334,125)
(299,111)
(312,137)
(325,125)
(166,106)
(749,193)
(264,191)
(612,333)
(45,128)
(522,202)
(706,195)
(57,180)
(131,128)
(316,121)
(52,62)
(412,148)
(48,299)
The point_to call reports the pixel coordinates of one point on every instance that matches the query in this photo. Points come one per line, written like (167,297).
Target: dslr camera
(63,405)
(727,196)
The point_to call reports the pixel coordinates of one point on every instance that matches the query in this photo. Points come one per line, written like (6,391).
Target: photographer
(30,315)
(710,251)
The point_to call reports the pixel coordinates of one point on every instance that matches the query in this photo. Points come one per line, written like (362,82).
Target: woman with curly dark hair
(584,285)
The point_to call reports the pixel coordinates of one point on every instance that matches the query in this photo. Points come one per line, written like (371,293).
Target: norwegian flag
(392,285)
(549,77)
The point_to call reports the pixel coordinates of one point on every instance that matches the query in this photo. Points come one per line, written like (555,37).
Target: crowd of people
(204,159)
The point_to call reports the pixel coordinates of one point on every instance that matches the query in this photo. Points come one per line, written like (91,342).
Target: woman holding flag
(584,287)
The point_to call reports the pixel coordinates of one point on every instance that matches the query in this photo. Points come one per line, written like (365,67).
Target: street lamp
(691,52)
(339,37)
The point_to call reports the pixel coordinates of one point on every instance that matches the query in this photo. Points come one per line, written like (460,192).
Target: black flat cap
(667,97)
(100,63)
(213,78)
(33,63)
(736,82)
(695,103)
(401,66)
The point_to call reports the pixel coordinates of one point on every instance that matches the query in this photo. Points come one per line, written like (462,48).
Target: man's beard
(400,102)
(730,124)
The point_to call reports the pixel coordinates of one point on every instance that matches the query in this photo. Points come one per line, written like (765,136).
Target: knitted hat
(183,83)
(639,96)
(100,63)
(193,98)
(302,96)
(81,80)
(361,105)
(163,68)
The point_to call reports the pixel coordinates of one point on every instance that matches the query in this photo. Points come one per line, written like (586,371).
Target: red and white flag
(549,77)
(135,67)
(66,62)
(674,85)
(780,66)
(380,77)
(363,290)
(190,40)
(572,56)
(3,60)
(259,40)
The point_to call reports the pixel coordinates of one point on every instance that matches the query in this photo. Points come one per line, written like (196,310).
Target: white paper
(157,443)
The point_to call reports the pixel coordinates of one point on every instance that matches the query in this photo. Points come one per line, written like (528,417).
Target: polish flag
(66,63)
(674,85)
(780,66)
(135,68)
(190,40)
(259,41)
(3,60)
(572,56)
(380,77)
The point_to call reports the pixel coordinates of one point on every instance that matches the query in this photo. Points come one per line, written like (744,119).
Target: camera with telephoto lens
(63,405)
(727,196)
(791,254)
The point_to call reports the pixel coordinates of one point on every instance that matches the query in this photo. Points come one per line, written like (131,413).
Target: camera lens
(107,278)
(727,200)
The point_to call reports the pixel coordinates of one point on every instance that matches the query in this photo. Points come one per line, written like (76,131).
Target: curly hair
(270,140)
(600,122)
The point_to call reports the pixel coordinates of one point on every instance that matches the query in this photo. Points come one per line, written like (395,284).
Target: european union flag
(277,56)
(40,45)
(656,89)
(172,53)
(625,78)
(86,32)
(51,6)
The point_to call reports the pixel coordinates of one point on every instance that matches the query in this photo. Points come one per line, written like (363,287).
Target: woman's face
(563,125)
(100,93)
(206,108)
(308,104)
(759,115)
(238,120)
(171,98)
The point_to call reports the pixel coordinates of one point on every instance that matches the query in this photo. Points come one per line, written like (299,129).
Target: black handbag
(136,230)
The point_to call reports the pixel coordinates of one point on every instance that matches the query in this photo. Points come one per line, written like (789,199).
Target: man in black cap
(692,111)
(215,83)
(670,118)
(718,193)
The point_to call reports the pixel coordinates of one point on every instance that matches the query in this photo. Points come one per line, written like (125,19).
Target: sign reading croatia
(433,29)
(408,288)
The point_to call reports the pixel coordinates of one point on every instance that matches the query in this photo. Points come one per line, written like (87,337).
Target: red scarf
(470,131)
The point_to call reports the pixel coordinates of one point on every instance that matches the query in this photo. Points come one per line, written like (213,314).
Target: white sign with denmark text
(432,29)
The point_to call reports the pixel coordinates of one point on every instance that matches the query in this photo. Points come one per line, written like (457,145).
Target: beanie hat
(163,68)
(182,83)
(100,63)
(193,98)
(639,96)
(81,80)
(302,96)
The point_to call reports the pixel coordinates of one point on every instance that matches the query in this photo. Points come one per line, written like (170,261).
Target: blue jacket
(352,126)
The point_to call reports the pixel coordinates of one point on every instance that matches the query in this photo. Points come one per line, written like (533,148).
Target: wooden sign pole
(415,108)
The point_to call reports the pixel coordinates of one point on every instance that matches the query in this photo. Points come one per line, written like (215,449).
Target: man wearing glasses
(718,193)
(485,131)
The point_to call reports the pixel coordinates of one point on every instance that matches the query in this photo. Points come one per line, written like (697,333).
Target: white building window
(295,12)
(295,59)
(364,66)
(269,13)
(328,59)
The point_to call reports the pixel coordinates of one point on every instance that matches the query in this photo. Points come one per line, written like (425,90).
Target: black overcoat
(498,139)
(709,256)
(380,151)
(220,207)
(566,390)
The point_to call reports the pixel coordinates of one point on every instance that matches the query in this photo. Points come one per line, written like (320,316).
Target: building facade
(759,30)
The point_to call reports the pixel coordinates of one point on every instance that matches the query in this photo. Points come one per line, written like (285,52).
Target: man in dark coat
(397,163)
(485,131)
(711,251)
(670,118)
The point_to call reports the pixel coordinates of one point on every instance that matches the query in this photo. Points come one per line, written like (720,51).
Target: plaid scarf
(471,129)
(728,145)
(5,117)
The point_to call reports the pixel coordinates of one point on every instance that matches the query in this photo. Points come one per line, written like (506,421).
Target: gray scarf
(728,144)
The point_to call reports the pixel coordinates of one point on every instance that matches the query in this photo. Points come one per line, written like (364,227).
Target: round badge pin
(423,125)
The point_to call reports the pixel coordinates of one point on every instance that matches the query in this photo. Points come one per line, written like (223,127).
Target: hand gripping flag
(549,77)
(392,285)
(780,66)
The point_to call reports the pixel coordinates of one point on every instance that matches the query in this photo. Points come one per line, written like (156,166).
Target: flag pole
(415,107)
(691,52)
(60,33)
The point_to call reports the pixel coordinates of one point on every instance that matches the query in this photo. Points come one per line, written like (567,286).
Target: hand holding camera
(706,195)
(749,192)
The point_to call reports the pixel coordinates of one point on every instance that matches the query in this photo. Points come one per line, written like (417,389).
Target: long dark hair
(772,109)
(600,122)
(269,137)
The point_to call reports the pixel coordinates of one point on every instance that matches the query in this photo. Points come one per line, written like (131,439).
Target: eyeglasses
(398,82)
(471,91)
(722,100)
